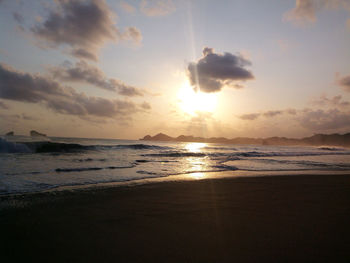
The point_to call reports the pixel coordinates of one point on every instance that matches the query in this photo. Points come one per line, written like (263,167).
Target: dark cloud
(26,87)
(320,120)
(272,113)
(157,7)
(85,73)
(345,83)
(84,26)
(214,71)
(250,116)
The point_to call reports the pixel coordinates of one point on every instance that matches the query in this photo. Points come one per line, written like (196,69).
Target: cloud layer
(25,87)
(82,25)
(333,115)
(85,73)
(214,71)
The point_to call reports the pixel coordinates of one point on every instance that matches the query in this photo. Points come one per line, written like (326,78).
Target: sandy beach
(258,219)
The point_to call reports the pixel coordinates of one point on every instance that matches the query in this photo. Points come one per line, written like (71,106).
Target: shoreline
(187,177)
(244,219)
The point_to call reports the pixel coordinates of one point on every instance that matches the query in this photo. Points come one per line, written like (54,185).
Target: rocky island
(315,140)
(37,134)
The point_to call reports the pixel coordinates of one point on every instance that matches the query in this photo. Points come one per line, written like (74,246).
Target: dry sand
(268,219)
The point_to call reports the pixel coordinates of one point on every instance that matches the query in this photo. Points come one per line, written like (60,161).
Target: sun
(192,102)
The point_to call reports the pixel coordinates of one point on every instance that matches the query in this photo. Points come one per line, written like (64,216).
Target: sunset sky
(124,69)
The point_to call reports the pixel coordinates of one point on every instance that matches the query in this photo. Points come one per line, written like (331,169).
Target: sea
(35,164)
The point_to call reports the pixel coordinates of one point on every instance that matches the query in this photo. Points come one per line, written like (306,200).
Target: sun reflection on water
(195,146)
(197,176)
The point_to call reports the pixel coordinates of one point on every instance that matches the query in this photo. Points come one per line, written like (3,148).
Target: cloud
(3,105)
(145,105)
(250,116)
(272,113)
(305,11)
(82,25)
(29,118)
(321,120)
(127,7)
(335,101)
(157,7)
(312,119)
(291,111)
(25,87)
(345,83)
(18,17)
(267,114)
(85,73)
(214,71)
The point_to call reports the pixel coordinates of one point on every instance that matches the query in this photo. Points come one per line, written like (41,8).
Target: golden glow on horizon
(194,146)
(192,102)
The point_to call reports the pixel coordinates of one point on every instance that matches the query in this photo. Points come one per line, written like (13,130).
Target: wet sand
(259,219)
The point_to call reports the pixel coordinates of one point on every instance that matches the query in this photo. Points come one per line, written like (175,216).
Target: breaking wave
(13,147)
(58,147)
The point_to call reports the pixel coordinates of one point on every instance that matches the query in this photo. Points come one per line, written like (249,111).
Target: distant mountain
(11,133)
(37,134)
(315,140)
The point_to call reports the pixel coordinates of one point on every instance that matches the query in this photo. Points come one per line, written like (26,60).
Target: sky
(125,69)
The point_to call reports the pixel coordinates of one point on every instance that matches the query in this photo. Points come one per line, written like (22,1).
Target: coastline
(242,219)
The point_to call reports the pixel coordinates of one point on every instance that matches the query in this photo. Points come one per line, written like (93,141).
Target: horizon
(124,69)
(176,136)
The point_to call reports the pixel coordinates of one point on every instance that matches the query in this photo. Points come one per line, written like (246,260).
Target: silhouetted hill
(36,134)
(317,139)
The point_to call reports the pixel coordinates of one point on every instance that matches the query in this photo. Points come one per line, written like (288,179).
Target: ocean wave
(83,169)
(60,147)
(89,160)
(219,148)
(13,147)
(223,157)
(330,148)
(138,147)
(176,154)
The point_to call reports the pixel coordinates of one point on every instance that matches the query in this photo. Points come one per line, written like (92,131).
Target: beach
(298,218)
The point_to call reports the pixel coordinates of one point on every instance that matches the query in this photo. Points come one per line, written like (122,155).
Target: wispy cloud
(305,11)
(324,120)
(335,101)
(127,7)
(85,73)
(157,7)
